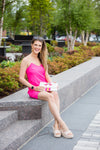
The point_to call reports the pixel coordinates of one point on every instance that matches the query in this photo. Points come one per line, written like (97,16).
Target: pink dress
(35,75)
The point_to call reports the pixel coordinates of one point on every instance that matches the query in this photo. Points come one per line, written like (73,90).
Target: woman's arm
(48,77)
(22,73)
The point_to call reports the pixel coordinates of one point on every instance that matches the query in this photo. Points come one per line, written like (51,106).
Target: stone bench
(72,84)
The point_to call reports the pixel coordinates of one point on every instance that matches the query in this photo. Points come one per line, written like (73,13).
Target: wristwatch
(32,87)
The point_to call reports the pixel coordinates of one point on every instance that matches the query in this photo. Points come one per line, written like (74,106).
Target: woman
(35,66)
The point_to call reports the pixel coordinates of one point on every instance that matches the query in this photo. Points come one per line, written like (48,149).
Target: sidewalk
(82,117)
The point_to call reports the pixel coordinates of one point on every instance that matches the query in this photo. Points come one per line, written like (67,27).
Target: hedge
(9,76)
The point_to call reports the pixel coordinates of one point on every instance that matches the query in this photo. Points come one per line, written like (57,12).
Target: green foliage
(3,58)
(40,15)
(76,15)
(14,17)
(65,49)
(8,63)
(84,53)
(9,79)
(14,48)
(50,48)
(54,42)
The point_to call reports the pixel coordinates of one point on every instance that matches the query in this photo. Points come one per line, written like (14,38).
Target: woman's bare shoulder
(26,59)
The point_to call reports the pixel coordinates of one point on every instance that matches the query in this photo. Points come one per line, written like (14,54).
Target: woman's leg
(57,102)
(53,108)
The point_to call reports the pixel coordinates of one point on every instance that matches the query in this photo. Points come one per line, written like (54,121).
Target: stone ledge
(72,84)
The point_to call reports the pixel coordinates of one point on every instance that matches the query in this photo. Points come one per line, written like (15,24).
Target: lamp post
(3,48)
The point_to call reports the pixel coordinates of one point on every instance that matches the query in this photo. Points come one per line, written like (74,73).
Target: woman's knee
(55,94)
(51,97)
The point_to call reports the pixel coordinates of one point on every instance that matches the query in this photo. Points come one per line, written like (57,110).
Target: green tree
(97,10)
(75,16)
(15,15)
(40,15)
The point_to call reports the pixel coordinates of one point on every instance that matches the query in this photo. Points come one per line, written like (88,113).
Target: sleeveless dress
(35,75)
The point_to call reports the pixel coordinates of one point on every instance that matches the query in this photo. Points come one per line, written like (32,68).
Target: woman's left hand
(39,88)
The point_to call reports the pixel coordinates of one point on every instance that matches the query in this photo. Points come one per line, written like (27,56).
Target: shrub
(9,80)
(50,48)
(4,58)
(91,44)
(8,63)
(19,58)
(59,50)
(54,42)
(9,77)
(77,44)
(56,66)
(66,43)
(14,48)
(96,51)
(59,64)
(2,42)
(82,47)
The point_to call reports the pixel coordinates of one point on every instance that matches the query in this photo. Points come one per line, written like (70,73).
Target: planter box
(3,50)
(61,43)
(26,48)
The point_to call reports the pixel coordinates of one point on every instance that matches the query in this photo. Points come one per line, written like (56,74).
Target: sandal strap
(67,132)
(57,131)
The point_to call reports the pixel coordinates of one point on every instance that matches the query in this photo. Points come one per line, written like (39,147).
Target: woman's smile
(36,46)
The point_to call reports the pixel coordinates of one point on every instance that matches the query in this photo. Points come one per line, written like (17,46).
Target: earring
(32,49)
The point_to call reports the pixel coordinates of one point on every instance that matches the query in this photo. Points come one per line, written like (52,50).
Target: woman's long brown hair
(43,54)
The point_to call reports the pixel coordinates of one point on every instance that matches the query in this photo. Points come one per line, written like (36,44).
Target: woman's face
(36,47)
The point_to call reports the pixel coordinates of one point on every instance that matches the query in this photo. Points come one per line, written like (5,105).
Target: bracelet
(32,87)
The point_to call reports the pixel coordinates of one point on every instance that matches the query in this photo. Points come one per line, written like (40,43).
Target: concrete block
(18,133)
(7,118)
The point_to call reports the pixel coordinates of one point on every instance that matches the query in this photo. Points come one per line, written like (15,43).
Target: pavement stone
(91,137)
(82,117)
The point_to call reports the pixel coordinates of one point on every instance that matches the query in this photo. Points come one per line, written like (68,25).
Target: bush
(5,63)
(9,77)
(59,64)
(77,44)
(9,80)
(66,43)
(91,44)
(50,48)
(54,42)
(96,51)
(56,66)
(14,48)
(4,58)
(19,58)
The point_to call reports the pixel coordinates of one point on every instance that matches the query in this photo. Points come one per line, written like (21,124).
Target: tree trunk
(1,23)
(82,36)
(71,39)
(85,37)
(1,20)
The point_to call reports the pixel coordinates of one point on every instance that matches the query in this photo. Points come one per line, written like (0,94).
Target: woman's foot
(67,134)
(57,132)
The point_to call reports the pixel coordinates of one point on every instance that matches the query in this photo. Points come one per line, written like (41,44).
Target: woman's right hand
(39,88)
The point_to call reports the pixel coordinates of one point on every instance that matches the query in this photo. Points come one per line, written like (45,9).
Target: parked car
(98,38)
(64,38)
(78,39)
(93,38)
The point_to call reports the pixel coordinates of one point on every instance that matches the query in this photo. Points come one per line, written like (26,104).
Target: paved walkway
(82,117)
